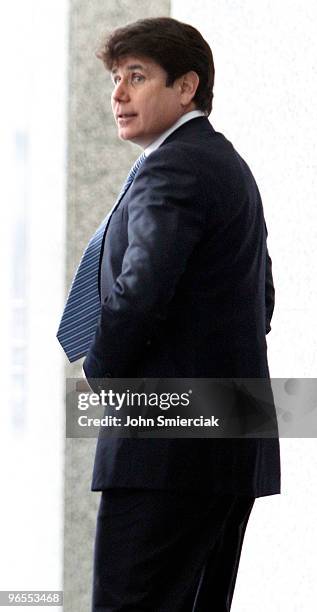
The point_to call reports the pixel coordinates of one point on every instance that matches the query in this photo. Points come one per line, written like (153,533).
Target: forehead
(133,62)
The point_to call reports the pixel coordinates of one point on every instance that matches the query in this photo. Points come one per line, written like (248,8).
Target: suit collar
(183,119)
(191,130)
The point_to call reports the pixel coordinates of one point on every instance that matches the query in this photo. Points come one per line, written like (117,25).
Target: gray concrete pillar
(97,166)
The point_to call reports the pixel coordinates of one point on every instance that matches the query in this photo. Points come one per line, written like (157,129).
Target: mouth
(123,117)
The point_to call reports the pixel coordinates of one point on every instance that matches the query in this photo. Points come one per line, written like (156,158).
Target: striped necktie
(80,317)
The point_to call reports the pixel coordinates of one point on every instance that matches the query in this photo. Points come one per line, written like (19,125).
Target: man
(186,290)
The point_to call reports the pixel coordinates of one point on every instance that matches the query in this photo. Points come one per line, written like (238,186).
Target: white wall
(33,58)
(265,103)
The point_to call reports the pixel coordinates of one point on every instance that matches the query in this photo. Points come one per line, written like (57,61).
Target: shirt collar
(183,119)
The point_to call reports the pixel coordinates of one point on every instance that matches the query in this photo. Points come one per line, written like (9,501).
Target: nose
(121,92)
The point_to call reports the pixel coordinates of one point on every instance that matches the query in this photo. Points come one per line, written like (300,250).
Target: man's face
(142,105)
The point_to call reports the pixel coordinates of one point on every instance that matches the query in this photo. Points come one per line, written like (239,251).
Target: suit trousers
(167,550)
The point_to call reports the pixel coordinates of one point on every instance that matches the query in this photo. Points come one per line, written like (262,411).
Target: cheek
(143,120)
(151,114)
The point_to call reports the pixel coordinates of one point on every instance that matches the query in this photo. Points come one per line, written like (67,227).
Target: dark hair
(177,47)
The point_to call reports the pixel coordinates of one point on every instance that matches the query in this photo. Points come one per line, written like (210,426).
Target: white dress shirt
(183,119)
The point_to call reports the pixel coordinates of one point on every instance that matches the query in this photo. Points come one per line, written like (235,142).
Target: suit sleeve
(166,220)
(269,291)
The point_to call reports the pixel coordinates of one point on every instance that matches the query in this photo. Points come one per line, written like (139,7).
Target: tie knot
(137,164)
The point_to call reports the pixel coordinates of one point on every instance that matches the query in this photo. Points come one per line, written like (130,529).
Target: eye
(137,78)
(115,79)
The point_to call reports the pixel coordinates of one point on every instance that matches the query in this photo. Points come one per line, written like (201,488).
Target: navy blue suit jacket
(186,291)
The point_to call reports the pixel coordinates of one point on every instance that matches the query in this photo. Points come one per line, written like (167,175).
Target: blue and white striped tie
(80,317)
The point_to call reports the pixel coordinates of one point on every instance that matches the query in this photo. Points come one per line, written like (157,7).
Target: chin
(126,135)
(135,138)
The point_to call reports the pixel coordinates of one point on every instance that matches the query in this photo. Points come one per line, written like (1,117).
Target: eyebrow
(130,67)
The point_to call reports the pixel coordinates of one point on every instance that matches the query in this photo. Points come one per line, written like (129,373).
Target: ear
(188,86)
